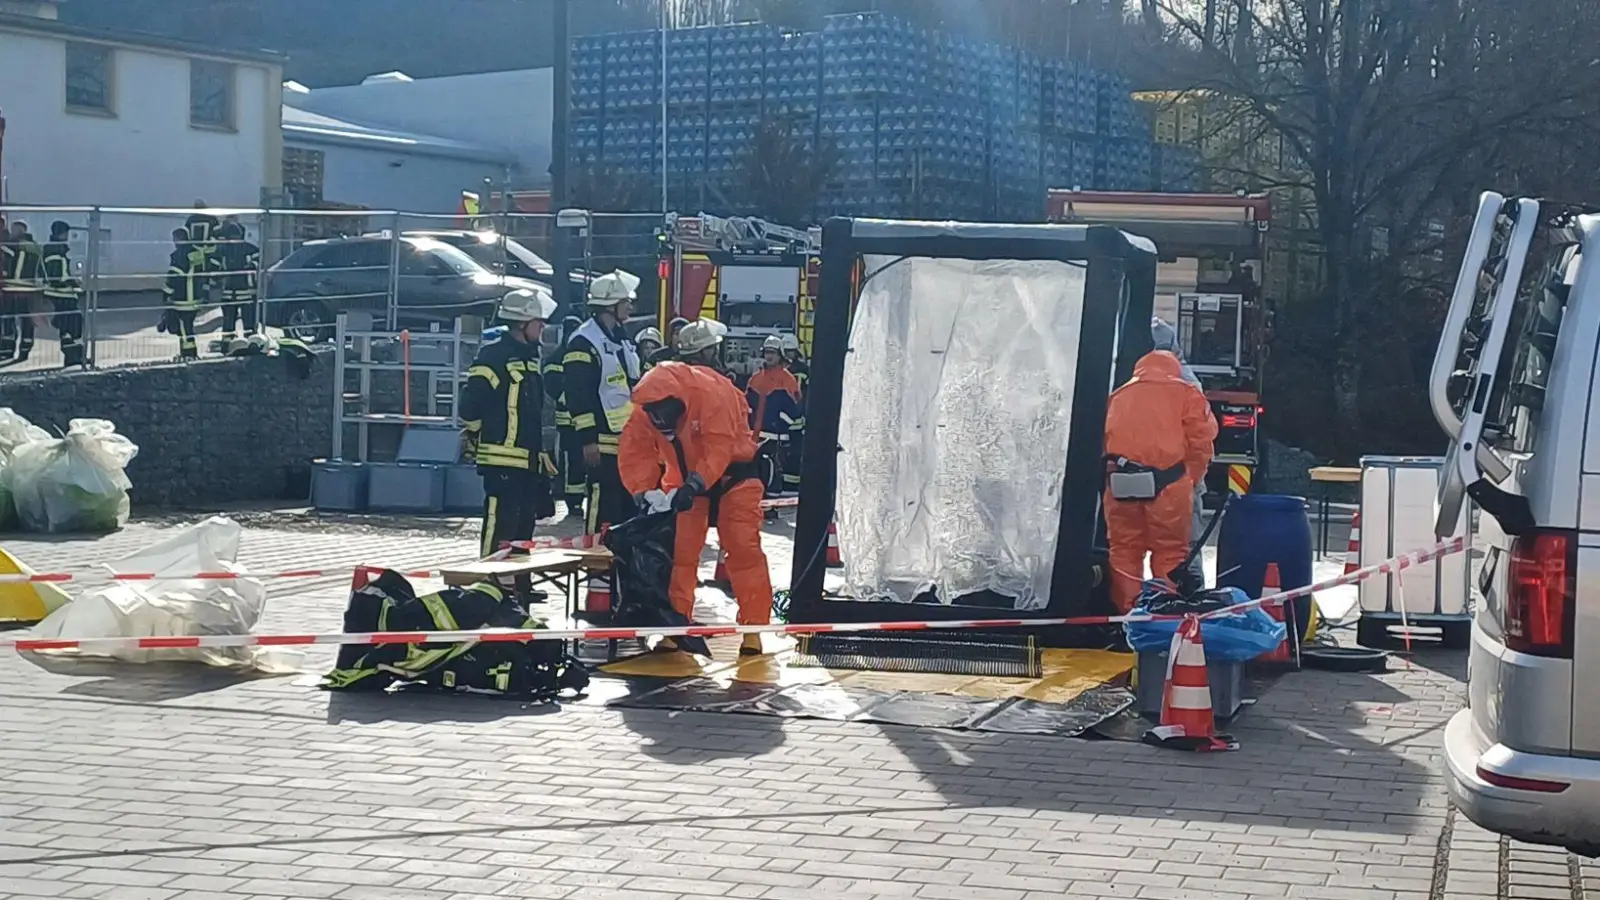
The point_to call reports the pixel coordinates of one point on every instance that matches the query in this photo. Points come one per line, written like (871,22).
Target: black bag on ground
(536,669)
(641,569)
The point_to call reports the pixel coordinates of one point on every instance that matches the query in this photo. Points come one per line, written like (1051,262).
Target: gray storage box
(1226,680)
(425,444)
(338,485)
(463,489)
(405,487)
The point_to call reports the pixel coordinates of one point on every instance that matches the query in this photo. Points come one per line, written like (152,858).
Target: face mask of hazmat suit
(1158,444)
(689,438)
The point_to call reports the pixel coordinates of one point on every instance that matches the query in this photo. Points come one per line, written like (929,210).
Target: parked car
(307,289)
(517,261)
(1514,387)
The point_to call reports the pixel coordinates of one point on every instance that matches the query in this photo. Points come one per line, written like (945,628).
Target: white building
(507,113)
(113,119)
(387,168)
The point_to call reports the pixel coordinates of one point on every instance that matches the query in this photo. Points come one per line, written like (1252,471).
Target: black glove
(693,486)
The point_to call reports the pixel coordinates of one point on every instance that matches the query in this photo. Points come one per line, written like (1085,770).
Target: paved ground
(165,782)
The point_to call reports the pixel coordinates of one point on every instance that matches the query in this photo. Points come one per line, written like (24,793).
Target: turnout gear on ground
(600,369)
(537,669)
(64,293)
(706,454)
(502,413)
(1165,337)
(237,262)
(184,291)
(613,288)
(1158,443)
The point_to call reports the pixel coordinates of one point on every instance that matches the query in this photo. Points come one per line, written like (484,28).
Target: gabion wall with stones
(209,432)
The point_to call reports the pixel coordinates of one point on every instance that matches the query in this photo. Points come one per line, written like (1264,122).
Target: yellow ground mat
(1067,673)
(24,604)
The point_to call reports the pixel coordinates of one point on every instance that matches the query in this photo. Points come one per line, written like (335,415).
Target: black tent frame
(1119,296)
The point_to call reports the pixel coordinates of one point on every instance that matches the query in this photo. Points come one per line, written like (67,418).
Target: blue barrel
(1258,529)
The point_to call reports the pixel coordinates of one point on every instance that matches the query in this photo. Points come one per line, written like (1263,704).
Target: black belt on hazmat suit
(1131,481)
(736,473)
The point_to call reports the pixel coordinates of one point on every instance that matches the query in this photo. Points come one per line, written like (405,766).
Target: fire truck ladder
(745,233)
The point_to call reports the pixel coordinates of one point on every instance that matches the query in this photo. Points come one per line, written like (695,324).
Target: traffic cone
(598,599)
(1187,722)
(1272,584)
(833,561)
(720,576)
(1352,556)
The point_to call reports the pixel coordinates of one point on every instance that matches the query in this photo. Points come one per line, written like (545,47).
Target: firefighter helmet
(701,334)
(609,290)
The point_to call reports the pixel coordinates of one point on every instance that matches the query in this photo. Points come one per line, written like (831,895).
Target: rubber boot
(751,645)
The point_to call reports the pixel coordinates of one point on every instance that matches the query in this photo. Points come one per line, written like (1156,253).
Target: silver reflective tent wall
(956,414)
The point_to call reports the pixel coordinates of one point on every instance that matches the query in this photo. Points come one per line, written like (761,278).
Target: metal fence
(292,271)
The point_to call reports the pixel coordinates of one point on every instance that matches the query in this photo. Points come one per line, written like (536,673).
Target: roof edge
(54,28)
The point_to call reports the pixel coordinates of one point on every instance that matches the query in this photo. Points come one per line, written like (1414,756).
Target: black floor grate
(1001,656)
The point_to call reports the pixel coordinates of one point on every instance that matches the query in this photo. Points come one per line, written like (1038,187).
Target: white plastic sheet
(76,483)
(954,427)
(15,431)
(174,607)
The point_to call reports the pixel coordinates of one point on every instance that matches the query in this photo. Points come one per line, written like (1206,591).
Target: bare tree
(782,177)
(1382,106)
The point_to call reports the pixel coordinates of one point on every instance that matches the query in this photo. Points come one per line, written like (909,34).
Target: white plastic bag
(15,431)
(76,483)
(173,607)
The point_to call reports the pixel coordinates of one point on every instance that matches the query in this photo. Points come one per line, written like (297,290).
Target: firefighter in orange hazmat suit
(1159,434)
(688,445)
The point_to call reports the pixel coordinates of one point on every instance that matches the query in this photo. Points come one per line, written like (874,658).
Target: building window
(89,77)
(210,94)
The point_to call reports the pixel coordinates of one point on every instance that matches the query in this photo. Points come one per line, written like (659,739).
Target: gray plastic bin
(405,487)
(338,485)
(1226,680)
(424,444)
(463,489)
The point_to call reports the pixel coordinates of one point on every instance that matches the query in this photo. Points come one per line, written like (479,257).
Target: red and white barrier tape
(704,631)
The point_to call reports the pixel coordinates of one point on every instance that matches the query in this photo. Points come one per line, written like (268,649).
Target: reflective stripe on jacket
(503,403)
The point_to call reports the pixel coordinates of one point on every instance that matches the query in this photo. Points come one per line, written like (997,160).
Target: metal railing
(292,271)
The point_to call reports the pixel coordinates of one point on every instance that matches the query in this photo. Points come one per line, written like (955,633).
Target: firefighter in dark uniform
(237,261)
(187,270)
(502,411)
(62,290)
(202,228)
(19,286)
(601,369)
(574,481)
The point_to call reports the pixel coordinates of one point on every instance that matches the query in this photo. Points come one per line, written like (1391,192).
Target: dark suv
(517,261)
(307,289)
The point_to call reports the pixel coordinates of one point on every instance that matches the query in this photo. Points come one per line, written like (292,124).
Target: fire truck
(755,277)
(1212,251)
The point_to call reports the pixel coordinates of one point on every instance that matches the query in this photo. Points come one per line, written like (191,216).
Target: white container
(1398,507)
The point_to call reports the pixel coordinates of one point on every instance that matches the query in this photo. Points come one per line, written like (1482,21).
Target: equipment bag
(535,669)
(1127,480)
(641,568)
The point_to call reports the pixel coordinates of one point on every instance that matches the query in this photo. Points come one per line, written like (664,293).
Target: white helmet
(773,343)
(791,343)
(609,290)
(525,305)
(701,334)
(652,335)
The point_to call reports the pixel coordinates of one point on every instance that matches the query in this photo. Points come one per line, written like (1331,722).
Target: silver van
(1514,387)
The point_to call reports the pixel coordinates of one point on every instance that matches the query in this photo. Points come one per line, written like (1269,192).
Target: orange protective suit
(1157,420)
(714,435)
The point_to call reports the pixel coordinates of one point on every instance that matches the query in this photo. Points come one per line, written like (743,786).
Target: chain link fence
(133,276)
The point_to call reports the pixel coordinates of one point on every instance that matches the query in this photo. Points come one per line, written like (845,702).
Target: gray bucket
(1225,678)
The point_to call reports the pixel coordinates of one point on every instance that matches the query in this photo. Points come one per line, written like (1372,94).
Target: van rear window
(1517,401)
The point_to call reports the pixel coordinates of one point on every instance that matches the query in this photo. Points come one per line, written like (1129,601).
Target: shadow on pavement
(689,738)
(150,683)
(425,707)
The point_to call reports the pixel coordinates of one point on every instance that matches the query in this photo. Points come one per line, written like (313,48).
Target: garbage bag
(527,669)
(1229,636)
(76,483)
(172,606)
(15,431)
(641,569)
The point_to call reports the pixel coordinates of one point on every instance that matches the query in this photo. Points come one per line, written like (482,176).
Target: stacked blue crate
(1177,169)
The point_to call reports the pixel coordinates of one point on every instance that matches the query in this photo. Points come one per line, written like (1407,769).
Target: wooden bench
(561,569)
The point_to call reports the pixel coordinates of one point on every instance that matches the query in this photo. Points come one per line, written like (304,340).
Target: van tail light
(1536,785)
(1541,602)
(1239,420)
